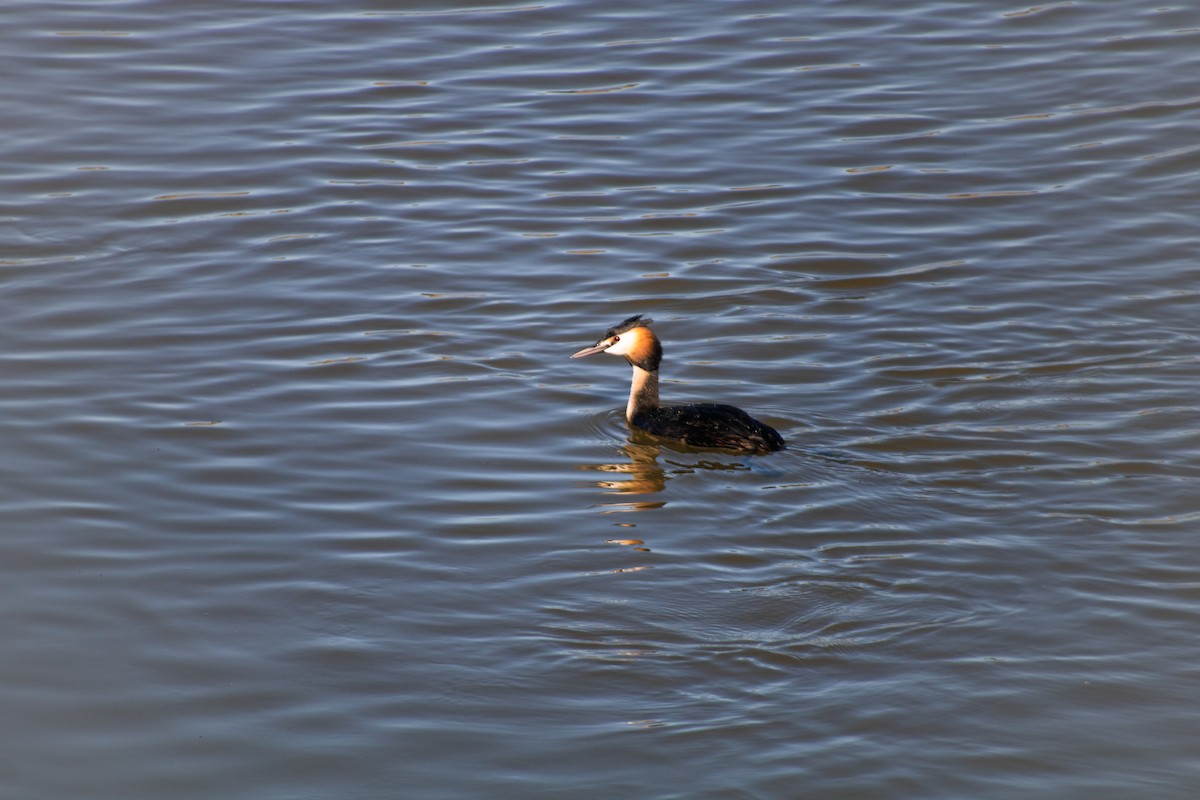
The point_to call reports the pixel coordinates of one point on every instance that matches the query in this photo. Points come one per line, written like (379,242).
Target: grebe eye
(616,339)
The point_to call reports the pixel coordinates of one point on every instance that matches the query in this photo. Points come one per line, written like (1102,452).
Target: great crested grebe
(712,425)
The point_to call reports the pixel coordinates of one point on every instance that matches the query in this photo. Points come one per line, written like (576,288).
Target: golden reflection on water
(647,476)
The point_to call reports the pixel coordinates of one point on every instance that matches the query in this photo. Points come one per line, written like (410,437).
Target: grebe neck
(643,393)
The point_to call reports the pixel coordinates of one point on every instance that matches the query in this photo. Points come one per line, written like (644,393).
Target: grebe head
(631,339)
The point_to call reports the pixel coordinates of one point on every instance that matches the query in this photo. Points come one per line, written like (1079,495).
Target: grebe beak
(598,347)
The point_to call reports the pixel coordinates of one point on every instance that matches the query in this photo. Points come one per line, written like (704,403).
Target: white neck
(643,393)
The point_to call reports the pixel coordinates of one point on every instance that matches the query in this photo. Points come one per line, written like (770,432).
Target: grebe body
(710,425)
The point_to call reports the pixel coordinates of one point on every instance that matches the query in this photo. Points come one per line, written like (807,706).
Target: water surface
(303,498)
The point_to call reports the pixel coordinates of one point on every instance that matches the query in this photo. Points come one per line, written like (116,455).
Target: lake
(304,499)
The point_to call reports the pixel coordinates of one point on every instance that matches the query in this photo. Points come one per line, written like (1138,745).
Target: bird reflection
(646,475)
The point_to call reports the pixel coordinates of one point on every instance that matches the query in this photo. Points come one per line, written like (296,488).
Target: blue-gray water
(302,498)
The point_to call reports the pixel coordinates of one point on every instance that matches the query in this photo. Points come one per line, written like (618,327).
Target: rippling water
(303,498)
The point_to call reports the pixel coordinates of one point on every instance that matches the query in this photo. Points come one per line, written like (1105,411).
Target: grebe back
(709,425)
